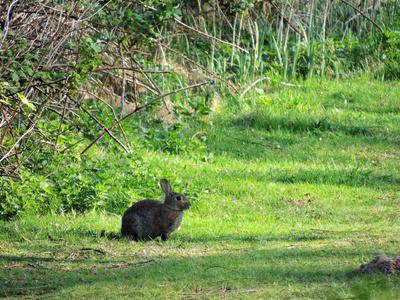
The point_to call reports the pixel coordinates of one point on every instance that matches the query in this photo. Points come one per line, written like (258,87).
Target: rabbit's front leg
(165,236)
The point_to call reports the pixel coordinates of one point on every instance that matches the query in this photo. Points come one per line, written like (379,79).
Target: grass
(298,187)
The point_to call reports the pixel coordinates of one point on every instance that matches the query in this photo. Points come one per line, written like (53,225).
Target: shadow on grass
(312,273)
(352,176)
(294,149)
(244,238)
(325,173)
(312,124)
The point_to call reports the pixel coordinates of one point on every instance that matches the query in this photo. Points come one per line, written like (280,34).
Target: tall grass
(336,38)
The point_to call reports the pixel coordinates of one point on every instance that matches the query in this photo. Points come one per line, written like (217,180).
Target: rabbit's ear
(166,187)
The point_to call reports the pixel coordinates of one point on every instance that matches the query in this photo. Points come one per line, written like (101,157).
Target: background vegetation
(72,72)
(278,120)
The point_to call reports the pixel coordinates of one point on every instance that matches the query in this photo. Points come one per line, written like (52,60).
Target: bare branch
(210,36)
(140,108)
(200,66)
(7,20)
(285,18)
(105,129)
(203,33)
(130,69)
(361,13)
(265,78)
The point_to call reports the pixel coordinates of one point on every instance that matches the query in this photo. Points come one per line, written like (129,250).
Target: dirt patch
(298,201)
(382,264)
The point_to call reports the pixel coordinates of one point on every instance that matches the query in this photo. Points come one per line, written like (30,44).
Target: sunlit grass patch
(287,201)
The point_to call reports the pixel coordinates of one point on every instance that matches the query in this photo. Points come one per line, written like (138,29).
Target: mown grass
(296,188)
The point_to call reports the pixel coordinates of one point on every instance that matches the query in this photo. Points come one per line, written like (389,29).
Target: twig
(137,109)
(35,265)
(95,250)
(199,132)
(133,61)
(338,230)
(210,36)
(203,33)
(95,13)
(45,52)
(130,69)
(65,163)
(7,20)
(123,84)
(233,38)
(212,294)
(266,78)
(135,264)
(113,111)
(26,239)
(34,287)
(62,120)
(361,13)
(200,66)
(285,18)
(105,129)
(17,142)
(255,45)
(52,239)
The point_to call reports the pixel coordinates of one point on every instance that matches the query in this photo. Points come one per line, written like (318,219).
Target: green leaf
(259,91)
(25,101)
(14,76)
(29,71)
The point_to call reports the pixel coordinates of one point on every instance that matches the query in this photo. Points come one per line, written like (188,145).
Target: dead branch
(7,20)
(53,239)
(137,109)
(200,66)
(105,129)
(285,18)
(210,36)
(361,13)
(95,250)
(130,69)
(265,78)
(133,62)
(17,142)
(199,132)
(115,117)
(203,33)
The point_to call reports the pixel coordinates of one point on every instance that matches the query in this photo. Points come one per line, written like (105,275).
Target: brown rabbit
(148,219)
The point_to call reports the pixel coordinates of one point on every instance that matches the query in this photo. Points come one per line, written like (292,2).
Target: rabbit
(148,219)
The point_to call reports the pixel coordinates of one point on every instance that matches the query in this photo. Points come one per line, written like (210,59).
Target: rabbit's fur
(148,219)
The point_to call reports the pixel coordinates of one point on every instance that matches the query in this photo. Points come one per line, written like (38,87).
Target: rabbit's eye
(178,198)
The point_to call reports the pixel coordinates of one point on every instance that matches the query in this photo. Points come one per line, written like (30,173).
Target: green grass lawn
(295,190)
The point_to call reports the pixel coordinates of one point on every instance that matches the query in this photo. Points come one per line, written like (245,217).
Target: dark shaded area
(39,276)
(308,124)
(259,135)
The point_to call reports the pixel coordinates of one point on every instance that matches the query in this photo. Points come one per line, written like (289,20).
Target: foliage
(328,117)
(54,61)
(70,73)
(99,182)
